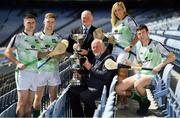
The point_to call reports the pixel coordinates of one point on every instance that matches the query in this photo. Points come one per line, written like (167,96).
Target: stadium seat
(161,88)
(100,109)
(10,111)
(60,107)
(49,111)
(113,84)
(173,106)
(110,107)
(164,82)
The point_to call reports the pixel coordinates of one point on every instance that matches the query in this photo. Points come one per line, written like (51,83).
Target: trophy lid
(77,37)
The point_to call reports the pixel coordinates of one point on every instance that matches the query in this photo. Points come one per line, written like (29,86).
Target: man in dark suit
(86,28)
(97,78)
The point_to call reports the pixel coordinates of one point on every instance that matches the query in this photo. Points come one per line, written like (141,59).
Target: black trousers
(80,94)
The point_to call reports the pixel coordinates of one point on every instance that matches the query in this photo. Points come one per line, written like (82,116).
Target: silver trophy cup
(75,58)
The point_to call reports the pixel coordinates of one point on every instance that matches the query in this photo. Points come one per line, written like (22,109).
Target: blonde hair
(50,15)
(114,18)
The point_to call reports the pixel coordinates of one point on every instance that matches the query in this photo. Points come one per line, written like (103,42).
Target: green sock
(36,112)
(144,99)
(135,96)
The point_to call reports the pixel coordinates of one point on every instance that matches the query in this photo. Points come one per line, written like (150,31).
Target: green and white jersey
(151,55)
(126,30)
(48,43)
(26,49)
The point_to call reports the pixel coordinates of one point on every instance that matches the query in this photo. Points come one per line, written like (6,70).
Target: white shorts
(137,76)
(26,80)
(48,78)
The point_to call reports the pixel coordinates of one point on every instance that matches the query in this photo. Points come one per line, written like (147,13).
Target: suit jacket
(86,43)
(99,75)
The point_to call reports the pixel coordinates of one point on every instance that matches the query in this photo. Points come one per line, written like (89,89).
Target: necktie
(85,30)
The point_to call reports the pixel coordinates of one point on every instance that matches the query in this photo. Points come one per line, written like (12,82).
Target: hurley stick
(60,49)
(112,65)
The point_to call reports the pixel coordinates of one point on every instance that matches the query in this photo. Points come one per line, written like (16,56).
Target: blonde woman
(124,28)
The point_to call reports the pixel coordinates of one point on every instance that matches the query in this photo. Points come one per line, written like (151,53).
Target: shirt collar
(86,27)
(46,34)
(27,33)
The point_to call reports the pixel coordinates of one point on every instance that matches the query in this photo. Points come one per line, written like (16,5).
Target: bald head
(86,18)
(97,47)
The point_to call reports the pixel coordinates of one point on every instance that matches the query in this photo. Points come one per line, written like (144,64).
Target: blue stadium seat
(173,106)
(49,111)
(60,107)
(109,111)
(8,99)
(62,104)
(161,88)
(113,84)
(110,107)
(10,111)
(100,109)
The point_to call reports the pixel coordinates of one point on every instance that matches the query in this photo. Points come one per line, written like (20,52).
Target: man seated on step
(92,86)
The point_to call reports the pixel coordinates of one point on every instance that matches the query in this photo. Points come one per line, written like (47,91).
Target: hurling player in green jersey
(49,72)
(149,55)
(25,45)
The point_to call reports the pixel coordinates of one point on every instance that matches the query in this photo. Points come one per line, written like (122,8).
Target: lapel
(81,30)
(89,35)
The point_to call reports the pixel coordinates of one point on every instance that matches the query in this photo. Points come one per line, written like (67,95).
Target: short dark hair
(142,26)
(26,16)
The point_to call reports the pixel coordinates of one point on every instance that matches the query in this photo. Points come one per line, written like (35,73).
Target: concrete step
(133,105)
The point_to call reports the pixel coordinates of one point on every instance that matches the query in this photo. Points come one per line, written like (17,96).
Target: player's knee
(139,88)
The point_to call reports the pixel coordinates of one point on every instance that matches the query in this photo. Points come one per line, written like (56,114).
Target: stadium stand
(9,27)
(164,27)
